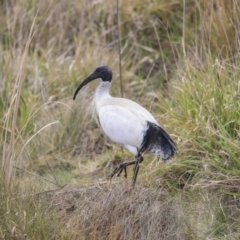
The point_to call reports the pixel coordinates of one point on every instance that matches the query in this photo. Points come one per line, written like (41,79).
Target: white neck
(102,93)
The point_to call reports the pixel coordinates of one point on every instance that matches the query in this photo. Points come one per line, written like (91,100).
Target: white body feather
(122,120)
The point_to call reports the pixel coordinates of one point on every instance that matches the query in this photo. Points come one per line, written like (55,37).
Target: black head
(103,72)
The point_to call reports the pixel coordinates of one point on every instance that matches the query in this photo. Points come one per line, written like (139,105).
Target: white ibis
(128,123)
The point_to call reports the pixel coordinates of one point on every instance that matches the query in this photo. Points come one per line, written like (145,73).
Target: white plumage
(128,123)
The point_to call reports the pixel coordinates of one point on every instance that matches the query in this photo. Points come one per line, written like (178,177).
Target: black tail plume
(157,142)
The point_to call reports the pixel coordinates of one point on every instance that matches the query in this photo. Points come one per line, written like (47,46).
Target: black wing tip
(157,139)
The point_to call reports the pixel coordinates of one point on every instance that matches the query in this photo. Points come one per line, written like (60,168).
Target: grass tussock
(180,60)
(205,106)
(117,211)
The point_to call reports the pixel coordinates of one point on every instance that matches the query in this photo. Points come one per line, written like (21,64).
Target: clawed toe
(118,170)
(123,166)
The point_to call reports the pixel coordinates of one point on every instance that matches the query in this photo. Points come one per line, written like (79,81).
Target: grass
(179,60)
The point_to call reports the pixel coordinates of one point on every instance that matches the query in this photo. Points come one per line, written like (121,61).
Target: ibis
(127,123)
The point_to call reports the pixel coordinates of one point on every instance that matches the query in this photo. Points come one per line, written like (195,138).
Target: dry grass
(105,211)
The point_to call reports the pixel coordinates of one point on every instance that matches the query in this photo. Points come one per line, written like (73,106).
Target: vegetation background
(180,59)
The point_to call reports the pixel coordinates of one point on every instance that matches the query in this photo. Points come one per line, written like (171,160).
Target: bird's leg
(125,172)
(138,160)
(121,167)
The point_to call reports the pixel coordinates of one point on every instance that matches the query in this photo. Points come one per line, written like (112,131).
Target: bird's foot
(118,170)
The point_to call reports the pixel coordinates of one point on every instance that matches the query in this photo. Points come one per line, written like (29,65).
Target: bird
(127,123)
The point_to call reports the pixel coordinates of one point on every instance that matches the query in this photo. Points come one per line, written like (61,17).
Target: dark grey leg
(121,167)
(139,159)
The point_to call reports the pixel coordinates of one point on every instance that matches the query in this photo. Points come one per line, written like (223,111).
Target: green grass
(205,109)
(179,61)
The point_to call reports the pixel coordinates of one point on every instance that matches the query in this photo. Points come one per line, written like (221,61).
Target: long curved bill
(90,78)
